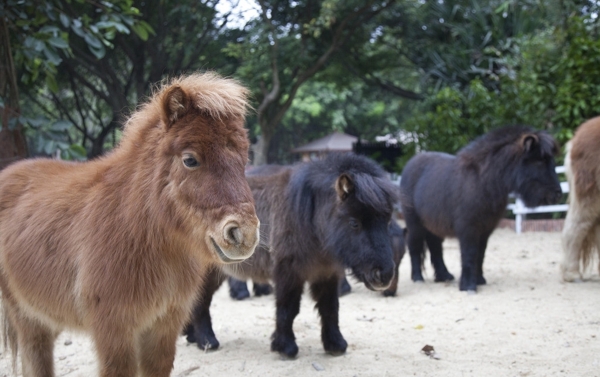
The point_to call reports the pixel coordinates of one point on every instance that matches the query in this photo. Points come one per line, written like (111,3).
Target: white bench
(520,210)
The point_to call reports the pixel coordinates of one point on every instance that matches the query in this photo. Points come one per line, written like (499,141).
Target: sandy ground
(525,322)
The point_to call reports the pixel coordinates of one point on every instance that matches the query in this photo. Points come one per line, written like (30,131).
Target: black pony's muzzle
(553,196)
(379,279)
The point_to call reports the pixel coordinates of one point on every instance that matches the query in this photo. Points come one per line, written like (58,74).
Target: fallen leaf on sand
(429,351)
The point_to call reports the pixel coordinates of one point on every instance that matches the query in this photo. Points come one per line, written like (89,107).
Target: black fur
(466,195)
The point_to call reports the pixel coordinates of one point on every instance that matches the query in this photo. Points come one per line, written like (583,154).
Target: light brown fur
(118,246)
(581,234)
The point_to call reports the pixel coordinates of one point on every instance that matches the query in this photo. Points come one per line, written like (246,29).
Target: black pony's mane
(372,188)
(489,145)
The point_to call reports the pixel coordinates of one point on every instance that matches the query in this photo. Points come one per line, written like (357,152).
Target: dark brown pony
(118,246)
(581,234)
(318,218)
(465,196)
(238,289)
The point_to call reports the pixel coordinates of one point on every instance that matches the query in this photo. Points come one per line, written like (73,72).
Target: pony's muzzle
(379,279)
(237,240)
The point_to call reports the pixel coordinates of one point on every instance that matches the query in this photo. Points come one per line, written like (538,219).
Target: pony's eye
(190,162)
(354,223)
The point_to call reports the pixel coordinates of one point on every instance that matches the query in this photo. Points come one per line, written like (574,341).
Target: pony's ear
(529,142)
(344,186)
(175,104)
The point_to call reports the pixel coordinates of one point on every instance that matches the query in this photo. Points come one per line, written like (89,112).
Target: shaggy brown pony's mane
(220,98)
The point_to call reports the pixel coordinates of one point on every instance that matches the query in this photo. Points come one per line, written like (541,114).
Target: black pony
(317,219)
(465,196)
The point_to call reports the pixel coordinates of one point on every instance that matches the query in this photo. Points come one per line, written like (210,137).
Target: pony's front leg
(157,344)
(36,347)
(288,292)
(415,241)
(325,293)
(468,253)
(115,346)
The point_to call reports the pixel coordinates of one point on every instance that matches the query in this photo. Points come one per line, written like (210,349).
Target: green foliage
(321,108)
(49,138)
(40,31)
(45,34)
(551,81)
(451,118)
(576,78)
(96,94)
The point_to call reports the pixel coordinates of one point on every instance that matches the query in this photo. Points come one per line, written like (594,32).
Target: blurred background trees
(435,74)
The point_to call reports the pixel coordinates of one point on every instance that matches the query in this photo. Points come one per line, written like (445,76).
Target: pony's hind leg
(434,243)
(325,293)
(36,346)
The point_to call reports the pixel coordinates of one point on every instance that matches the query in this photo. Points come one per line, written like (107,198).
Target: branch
(86,83)
(272,95)
(384,84)
(338,40)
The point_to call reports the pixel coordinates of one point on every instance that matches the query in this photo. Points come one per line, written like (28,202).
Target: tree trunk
(13,145)
(261,149)
(98,143)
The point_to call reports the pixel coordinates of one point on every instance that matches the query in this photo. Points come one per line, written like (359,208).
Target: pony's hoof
(389,293)
(468,288)
(481,281)
(208,344)
(444,277)
(335,352)
(571,277)
(335,347)
(190,338)
(286,348)
(574,280)
(262,289)
(239,294)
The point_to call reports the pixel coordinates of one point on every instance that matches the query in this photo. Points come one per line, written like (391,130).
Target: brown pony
(581,234)
(118,246)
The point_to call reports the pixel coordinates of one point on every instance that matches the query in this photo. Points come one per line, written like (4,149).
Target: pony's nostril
(376,274)
(234,235)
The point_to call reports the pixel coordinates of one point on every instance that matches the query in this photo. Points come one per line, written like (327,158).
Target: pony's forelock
(375,192)
(219,97)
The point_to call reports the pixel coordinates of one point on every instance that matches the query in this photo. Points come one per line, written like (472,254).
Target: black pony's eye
(354,224)
(190,162)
